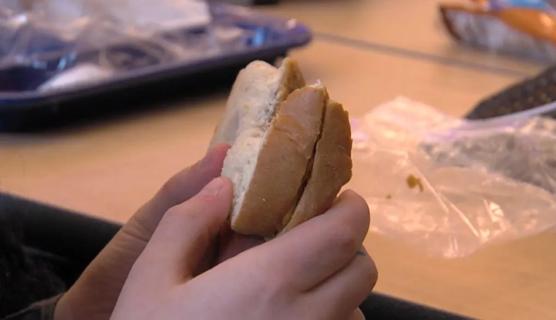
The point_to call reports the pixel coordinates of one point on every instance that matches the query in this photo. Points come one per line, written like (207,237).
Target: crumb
(412,182)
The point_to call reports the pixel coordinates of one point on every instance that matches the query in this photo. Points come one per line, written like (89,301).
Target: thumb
(184,234)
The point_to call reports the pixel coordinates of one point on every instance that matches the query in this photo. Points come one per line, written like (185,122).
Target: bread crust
(291,78)
(302,157)
(331,167)
(282,163)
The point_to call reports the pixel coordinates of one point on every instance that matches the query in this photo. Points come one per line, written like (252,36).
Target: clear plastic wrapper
(450,186)
(60,44)
(42,41)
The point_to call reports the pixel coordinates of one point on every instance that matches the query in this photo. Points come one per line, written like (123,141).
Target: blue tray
(143,63)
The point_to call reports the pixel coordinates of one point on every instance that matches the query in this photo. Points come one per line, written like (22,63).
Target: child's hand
(94,294)
(315,271)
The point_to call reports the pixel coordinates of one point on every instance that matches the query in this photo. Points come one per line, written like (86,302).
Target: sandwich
(290,149)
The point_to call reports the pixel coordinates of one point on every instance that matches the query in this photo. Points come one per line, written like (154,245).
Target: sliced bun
(331,167)
(268,193)
(290,152)
(258,89)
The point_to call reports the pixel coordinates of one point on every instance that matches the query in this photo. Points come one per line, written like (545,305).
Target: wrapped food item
(450,186)
(523,28)
(535,4)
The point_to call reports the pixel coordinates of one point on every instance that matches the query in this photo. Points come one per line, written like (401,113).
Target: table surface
(109,168)
(403,27)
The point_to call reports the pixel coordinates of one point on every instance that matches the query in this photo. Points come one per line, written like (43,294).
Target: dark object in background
(525,95)
(68,242)
(378,306)
(25,277)
(36,259)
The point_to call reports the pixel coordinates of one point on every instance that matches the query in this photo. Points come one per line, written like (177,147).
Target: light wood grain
(109,169)
(414,25)
(511,281)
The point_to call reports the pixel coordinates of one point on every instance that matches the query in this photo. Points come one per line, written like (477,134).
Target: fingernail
(213,188)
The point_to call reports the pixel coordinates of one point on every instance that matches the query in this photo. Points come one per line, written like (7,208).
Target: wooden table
(410,28)
(108,169)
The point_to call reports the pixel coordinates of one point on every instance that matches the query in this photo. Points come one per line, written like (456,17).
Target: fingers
(183,235)
(347,289)
(317,249)
(357,315)
(233,243)
(176,190)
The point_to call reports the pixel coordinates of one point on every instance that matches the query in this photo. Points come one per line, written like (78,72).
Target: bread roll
(290,149)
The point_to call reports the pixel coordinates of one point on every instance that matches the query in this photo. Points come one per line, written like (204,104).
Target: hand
(315,271)
(94,294)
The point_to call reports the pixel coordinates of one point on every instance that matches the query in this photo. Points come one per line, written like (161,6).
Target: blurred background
(101,101)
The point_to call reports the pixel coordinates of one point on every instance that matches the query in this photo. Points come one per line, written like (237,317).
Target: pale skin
(177,259)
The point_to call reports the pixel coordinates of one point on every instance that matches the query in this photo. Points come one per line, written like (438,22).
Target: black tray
(531,93)
(68,241)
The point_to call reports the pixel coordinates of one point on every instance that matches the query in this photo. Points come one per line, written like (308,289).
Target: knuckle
(138,229)
(344,239)
(274,285)
(272,288)
(170,188)
(181,217)
(180,212)
(274,279)
(172,214)
(177,214)
(369,274)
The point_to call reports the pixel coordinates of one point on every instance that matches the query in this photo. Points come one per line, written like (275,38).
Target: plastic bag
(451,186)
(99,39)
(70,17)
(62,44)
